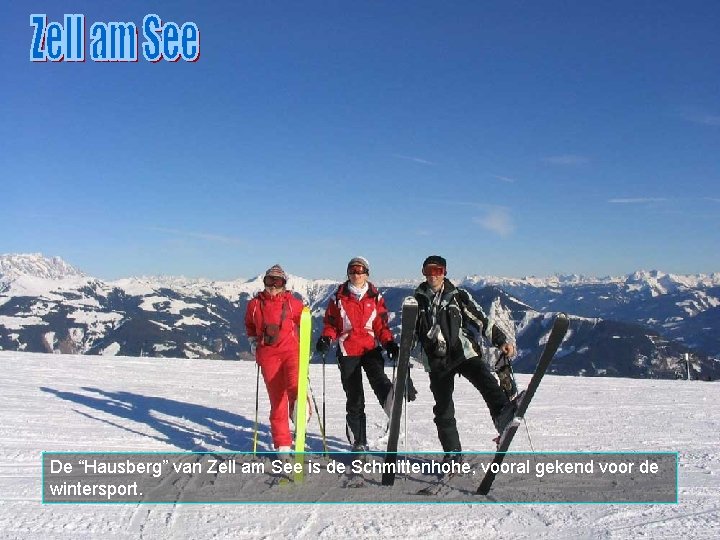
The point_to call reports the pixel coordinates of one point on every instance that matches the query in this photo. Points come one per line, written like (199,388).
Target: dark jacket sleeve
(475,316)
(421,328)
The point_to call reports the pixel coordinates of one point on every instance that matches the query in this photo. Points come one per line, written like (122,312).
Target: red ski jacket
(274,321)
(357,325)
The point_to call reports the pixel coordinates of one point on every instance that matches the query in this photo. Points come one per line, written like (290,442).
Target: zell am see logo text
(113,41)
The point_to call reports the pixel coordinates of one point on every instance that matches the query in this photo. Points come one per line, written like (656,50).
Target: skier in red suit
(272,320)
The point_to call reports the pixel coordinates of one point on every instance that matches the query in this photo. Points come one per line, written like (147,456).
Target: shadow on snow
(187,426)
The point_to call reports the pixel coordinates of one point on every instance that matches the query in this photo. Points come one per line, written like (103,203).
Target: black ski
(557,334)
(409,317)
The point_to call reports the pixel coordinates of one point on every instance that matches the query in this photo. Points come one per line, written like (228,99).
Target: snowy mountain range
(640,325)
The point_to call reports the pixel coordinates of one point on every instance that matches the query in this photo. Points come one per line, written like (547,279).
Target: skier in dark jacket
(446,314)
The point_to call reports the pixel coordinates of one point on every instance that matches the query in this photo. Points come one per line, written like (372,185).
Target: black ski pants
(351,375)
(442,386)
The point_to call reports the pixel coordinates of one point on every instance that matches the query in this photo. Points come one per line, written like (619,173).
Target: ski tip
(562,321)
(409,301)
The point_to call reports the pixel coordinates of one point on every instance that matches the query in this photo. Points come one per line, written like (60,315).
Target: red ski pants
(280,373)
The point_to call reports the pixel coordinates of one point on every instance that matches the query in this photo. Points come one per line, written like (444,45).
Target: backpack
(270,332)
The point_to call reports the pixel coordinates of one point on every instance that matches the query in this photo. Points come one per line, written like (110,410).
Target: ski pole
(257,406)
(323,400)
(317,413)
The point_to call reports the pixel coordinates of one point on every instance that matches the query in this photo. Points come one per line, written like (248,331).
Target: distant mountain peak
(13,266)
(654,280)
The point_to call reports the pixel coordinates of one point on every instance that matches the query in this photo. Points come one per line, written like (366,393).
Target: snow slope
(92,403)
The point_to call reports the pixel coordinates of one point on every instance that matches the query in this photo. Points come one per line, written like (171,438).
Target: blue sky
(513,138)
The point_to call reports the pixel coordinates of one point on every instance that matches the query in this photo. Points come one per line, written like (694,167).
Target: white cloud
(709,120)
(702,118)
(497,220)
(415,159)
(639,200)
(566,159)
(199,235)
(504,178)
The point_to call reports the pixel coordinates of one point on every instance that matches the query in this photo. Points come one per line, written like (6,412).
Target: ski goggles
(433,270)
(357,269)
(273,281)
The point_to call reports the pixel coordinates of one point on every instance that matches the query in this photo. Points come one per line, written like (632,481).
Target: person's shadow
(187,426)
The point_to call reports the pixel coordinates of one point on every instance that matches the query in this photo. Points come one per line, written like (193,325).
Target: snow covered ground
(91,403)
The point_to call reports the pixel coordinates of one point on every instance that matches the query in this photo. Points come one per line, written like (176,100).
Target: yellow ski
(301,402)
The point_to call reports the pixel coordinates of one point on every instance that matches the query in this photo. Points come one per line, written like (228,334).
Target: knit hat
(276,271)
(436,260)
(362,261)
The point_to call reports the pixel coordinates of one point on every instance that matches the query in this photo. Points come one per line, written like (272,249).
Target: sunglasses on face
(357,269)
(273,281)
(433,270)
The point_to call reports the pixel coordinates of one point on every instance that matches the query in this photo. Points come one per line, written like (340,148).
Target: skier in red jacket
(272,320)
(357,318)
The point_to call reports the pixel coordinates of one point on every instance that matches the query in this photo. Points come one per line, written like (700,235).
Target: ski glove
(392,350)
(253,344)
(323,344)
